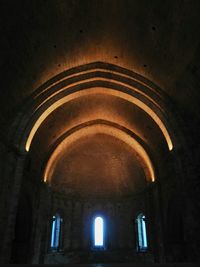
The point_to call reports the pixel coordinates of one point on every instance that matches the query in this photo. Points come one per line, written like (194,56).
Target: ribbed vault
(96,99)
(95,81)
(96,127)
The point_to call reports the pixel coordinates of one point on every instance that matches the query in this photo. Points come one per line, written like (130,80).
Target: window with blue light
(141,232)
(98,232)
(56,232)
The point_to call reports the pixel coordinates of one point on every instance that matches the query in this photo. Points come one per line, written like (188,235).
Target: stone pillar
(77,219)
(67,225)
(110,226)
(14,174)
(155,222)
(120,225)
(86,226)
(42,225)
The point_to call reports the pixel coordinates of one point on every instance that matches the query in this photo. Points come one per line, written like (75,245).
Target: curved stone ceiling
(128,33)
(105,129)
(86,92)
(98,165)
(95,107)
(132,88)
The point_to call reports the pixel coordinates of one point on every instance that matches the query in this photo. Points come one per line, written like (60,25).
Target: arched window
(98,232)
(141,232)
(56,232)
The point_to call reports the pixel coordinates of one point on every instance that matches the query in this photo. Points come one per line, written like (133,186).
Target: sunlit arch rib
(96,71)
(95,79)
(97,90)
(95,67)
(105,129)
(95,122)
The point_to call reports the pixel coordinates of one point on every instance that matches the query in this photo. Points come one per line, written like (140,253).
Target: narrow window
(141,232)
(55,232)
(98,232)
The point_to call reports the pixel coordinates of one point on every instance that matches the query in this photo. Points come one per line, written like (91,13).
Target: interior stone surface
(158,44)
(99,166)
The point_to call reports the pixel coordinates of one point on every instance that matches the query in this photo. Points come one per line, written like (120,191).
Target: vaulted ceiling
(158,40)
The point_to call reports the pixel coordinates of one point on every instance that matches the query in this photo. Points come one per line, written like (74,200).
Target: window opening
(98,232)
(55,232)
(141,232)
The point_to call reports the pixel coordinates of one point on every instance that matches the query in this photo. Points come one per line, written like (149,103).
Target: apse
(97,165)
(94,136)
(99,136)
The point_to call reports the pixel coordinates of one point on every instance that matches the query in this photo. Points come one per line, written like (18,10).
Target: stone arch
(88,78)
(101,126)
(73,83)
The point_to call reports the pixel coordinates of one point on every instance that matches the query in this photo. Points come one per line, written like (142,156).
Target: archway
(132,99)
